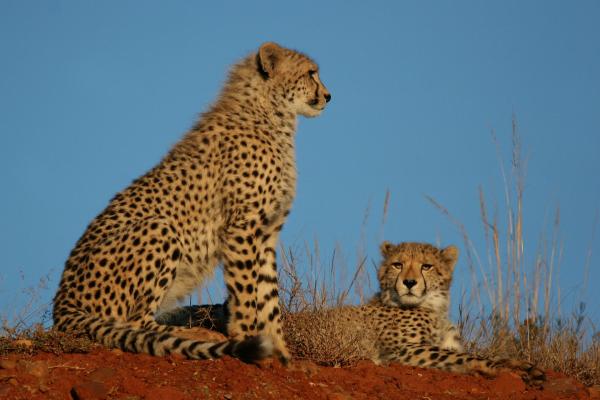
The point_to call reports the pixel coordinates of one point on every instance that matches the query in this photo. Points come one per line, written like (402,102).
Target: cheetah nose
(409,283)
(327,97)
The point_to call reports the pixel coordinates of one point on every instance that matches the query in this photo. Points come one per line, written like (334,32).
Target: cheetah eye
(311,73)
(426,267)
(397,265)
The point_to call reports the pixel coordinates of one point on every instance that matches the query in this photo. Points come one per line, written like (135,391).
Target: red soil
(113,374)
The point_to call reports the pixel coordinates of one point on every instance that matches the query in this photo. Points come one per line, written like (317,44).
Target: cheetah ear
(450,255)
(269,55)
(386,248)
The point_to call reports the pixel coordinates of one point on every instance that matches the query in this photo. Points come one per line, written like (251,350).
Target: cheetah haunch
(409,316)
(221,195)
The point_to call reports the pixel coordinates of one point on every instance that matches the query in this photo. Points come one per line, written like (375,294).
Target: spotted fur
(220,196)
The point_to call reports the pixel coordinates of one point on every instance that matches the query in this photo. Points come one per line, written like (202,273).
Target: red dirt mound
(112,374)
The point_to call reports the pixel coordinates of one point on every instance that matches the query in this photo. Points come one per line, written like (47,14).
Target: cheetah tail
(124,336)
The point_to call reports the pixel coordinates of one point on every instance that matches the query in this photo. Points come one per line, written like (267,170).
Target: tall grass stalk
(516,299)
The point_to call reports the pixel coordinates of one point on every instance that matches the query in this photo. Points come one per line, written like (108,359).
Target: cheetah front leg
(427,356)
(251,281)
(268,308)
(450,339)
(529,372)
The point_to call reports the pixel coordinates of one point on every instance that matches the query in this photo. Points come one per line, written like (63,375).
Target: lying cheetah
(221,195)
(410,314)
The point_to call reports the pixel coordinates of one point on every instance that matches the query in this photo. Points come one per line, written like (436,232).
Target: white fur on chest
(187,279)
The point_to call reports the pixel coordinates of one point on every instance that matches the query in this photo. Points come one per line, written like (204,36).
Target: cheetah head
(414,274)
(293,78)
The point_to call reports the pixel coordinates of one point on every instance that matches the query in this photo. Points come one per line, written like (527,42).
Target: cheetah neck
(246,97)
(438,302)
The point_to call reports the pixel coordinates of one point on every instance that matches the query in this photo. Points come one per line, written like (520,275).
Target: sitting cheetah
(221,195)
(410,314)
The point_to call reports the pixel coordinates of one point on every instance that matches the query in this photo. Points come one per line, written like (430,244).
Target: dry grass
(315,325)
(25,331)
(36,338)
(326,337)
(32,312)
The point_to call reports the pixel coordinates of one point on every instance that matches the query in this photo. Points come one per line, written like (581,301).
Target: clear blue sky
(92,94)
